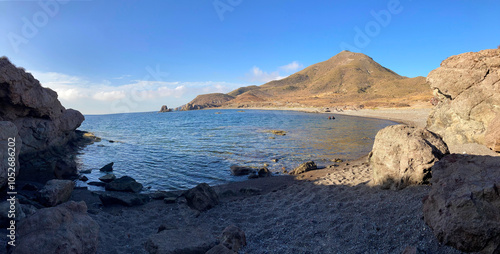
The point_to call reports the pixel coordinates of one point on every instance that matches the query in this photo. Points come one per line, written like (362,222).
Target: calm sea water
(178,150)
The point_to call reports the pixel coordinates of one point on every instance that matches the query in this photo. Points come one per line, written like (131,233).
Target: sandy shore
(331,210)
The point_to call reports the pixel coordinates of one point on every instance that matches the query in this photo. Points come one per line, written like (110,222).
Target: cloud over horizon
(258,75)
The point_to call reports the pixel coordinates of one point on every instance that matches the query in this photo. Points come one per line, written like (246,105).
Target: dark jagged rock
(55,192)
(241,171)
(202,197)
(107,167)
(124,183)
(108,178)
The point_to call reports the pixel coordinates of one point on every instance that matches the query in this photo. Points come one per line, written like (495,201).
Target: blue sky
(105,56)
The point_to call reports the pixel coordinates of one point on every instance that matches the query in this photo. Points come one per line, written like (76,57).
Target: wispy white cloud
(258,75)
(292,67)
(139,95)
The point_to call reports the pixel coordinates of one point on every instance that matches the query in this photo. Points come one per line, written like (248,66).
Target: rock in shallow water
(463,207)
(124,183)
(403,155)
(241,171)
(308,166)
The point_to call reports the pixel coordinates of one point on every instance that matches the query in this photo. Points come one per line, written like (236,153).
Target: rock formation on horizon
(467,87)
(43,124)
(164,109)
(348,78)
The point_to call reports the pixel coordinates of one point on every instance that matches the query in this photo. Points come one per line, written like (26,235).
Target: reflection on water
(178,150)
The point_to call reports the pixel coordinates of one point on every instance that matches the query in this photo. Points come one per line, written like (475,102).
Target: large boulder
(403,155)
(66,228)
(44,125)
(10,142)
(467,87)
(202,197)
(180,241)
(56,192)
(463,206)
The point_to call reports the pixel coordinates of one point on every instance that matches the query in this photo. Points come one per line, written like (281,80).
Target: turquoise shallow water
(177,150)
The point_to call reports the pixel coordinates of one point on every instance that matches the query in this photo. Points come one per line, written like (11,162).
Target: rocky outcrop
(164,109)
(66,228)
(55,192)
(180,241)
(202,197)
(463,206)
(44,125)
(9,138)
(467,87)
(305,167)
(403,155)
(212,100)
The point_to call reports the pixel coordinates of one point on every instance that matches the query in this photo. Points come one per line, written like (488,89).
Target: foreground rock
(180,241)
(9,138)
(233,238)
(56,192)
(202,197)
(308,166)
(124,183)
(403,155)
(463,207)
(468,91)
(123,198)
(63,229)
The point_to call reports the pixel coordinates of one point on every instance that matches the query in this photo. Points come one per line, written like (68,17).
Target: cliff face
(467,87)
(42,122)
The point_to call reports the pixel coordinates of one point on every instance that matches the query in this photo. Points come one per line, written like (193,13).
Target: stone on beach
(463,206)
(233,238)
(403,155)
(264,172)
(241,171)
(180,241)
(123,198)
(305,167)
(55,192)
(202,197)
(66,228)
(124,183)
(107,167)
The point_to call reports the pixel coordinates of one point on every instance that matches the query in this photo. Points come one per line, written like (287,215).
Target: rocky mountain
(345,79)
(43,124)
(467,87)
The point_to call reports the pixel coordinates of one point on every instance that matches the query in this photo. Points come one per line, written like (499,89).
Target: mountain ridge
(348,78)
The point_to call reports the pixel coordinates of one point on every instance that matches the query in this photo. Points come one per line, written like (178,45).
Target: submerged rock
(108,178)
(66,228)
(202,197)
(463,206)
(305,167)
(403,155)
